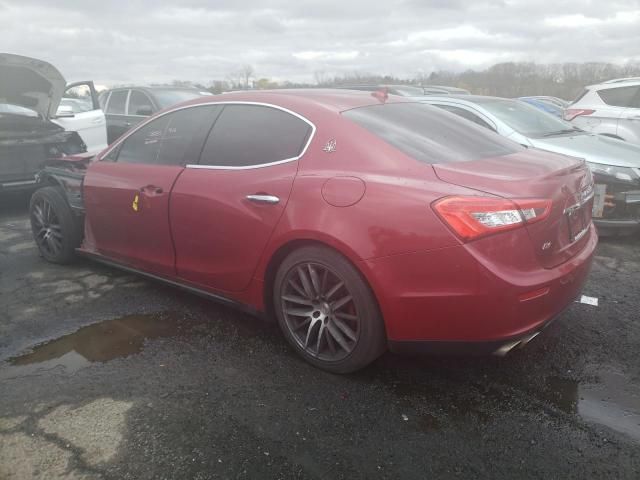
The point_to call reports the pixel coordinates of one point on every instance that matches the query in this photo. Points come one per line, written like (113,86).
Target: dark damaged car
(30,93)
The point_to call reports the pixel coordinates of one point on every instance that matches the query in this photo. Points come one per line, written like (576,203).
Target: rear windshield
(528,120)
(429,134)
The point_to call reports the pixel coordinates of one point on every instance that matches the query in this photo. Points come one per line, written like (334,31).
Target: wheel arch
(284,248)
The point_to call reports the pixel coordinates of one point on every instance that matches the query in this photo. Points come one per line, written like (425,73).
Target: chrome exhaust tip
(506,348)
(520,343)
(527,339)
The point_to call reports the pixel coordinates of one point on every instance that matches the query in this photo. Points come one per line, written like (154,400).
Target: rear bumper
(498,347)
(451,297)
(607,226)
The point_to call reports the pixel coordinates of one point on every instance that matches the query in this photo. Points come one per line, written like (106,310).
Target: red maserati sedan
(359,221)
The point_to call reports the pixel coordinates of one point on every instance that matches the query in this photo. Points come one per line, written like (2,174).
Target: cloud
(145,41)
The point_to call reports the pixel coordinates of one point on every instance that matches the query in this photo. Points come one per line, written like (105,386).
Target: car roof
(445,87)
(614,84)
(154,87)
(478,99)
(336,100)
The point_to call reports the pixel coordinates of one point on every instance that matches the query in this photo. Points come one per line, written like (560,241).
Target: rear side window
(248,135)
(618,97)
(117,102)
(139,104)
(428,134)
(168,139)
(461,112)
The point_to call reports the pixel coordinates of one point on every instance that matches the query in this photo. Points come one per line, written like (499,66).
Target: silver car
(614,163)
(610,108)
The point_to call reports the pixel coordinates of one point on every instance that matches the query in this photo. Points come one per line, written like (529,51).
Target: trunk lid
(30,83)
(566,181)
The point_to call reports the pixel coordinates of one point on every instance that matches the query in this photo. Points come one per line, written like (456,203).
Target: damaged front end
(616,207)
(25,150)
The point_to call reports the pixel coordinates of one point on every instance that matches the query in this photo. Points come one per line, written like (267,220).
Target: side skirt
(183,286)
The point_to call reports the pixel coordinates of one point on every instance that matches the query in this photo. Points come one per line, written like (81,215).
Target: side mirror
(65,111)
(144,111)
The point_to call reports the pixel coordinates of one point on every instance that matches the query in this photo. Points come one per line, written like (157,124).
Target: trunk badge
(546,246)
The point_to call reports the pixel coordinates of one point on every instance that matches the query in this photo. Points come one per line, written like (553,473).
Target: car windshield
(429,134)
(527,119)
(166,98)
(8,108)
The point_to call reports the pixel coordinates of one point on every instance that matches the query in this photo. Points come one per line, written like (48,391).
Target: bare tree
(321,77)
(246,73)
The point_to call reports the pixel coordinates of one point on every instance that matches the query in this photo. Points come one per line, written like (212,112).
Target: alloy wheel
(320,312)
(47,228)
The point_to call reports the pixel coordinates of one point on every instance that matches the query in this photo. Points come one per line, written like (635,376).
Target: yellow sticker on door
(134,205)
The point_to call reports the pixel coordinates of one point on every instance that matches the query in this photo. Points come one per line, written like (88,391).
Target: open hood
(30,83)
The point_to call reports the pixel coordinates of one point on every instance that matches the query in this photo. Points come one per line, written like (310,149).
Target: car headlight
(615,174)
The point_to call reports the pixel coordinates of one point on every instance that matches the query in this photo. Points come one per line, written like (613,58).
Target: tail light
(572,113)
(474,217)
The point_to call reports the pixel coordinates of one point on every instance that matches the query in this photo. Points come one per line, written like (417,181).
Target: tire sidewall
(69,224)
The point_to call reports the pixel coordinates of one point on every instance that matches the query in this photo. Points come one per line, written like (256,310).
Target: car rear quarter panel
(392,217)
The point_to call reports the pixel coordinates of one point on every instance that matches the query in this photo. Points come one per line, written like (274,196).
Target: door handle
(151,189)
(127,124)
(263,198)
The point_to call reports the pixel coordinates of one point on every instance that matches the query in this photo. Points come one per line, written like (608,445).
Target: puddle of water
(99,342)
(613,401)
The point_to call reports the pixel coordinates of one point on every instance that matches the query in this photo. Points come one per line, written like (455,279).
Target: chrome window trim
(126,105)
(216,167)
(106,102)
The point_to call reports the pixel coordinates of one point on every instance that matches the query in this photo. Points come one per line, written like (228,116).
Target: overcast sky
(146,41)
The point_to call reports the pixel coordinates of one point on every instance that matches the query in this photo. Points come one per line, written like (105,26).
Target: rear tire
(327,311)
(56,230)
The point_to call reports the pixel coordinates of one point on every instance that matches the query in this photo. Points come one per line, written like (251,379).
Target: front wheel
(56,230)
(327,311)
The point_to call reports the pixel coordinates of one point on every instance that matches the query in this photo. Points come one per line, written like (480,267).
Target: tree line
(509,79)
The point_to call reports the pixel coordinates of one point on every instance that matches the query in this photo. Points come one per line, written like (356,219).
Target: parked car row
(615,164)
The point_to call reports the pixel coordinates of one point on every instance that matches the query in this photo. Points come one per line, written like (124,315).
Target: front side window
(117,102)
(167,139)
(618,97)
(78,99)
(248,135)
(429,135)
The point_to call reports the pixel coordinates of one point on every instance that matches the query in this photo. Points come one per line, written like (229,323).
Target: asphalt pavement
(104,375)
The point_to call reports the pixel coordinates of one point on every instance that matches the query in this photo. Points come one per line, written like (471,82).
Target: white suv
(610,108)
